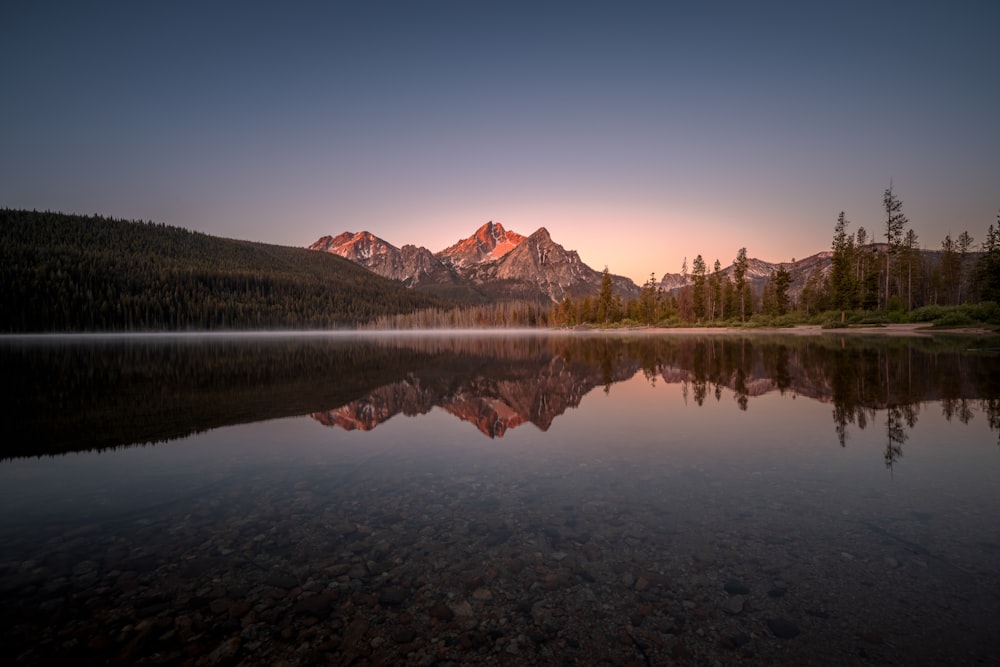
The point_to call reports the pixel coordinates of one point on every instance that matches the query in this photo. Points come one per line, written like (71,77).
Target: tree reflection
(895,436)
(73,395)
(991,408)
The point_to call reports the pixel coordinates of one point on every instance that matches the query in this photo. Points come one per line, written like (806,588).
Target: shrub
(928,313)
(954,318)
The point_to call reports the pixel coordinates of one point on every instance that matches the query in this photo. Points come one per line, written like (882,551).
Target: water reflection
(653,500)
(67,395)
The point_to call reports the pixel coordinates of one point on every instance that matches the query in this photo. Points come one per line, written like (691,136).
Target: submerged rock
(782,628)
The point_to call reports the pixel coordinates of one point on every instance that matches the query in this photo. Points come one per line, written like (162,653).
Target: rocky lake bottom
(515,515)
(456,560)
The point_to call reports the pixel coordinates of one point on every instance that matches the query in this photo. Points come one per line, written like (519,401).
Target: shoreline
(920,330)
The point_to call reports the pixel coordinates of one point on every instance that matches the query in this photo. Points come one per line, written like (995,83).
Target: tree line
(892,273)
(90,273)
(877,277)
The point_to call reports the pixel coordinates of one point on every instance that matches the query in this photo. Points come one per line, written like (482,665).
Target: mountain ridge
(759,271)
(493,263)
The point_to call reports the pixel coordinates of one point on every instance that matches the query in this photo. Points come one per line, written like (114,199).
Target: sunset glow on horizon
(638,133)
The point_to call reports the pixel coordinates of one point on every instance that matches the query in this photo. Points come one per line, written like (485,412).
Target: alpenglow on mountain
(493,264)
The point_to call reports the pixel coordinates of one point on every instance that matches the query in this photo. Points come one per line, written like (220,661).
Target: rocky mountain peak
(410,265)
(490,242)
(354,246)
(493,263)
(541,234)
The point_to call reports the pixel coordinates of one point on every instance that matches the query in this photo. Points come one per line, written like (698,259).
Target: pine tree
(964,243)
(843,283)
(605,298)
(911,263)
(715,283)
(950,270)
(698,273)
(988,266)
(648,309)
(782,279)
(740,279)
(895,221)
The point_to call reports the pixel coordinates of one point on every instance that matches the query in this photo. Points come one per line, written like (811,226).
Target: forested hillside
(89,273)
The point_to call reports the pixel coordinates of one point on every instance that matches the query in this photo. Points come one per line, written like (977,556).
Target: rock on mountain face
(492,264)
(490,242)
(409,265)
(541,268)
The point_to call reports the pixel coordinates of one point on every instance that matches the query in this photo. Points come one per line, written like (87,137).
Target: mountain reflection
(500,386)
(67,395)
(518,381)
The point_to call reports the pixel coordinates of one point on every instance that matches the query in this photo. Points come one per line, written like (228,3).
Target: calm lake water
(508,498)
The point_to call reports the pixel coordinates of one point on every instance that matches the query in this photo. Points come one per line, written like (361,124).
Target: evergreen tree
(740,265)
(715,284)
(867,275)
(843,281)
(950,271)
(895,221)
(648,307)
(964,243)
(781,280)
(988,266)
(605,298)
(698,276)
(813,297)
(911,263)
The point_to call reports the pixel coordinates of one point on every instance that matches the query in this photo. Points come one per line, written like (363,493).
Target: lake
(510,497)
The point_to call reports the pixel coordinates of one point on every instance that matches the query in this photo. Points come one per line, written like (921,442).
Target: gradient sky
(638,133)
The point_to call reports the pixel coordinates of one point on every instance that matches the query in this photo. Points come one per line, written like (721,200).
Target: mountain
(409,265)
(759,271)
(539,268)
(490,242)
(494,264)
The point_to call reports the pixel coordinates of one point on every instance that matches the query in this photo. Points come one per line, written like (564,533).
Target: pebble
(441,612)
(782,628)
(736,588)
(392,596)
(733,604)
(405,567)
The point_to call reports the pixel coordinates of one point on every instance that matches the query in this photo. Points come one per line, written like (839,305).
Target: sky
(637,133)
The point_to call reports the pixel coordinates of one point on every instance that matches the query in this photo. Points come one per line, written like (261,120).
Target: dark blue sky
(637,133)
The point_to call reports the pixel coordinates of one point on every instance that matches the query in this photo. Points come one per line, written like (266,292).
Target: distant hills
(760,271)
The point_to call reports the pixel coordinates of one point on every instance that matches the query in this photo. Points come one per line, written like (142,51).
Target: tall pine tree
(895,221)
(843,280)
